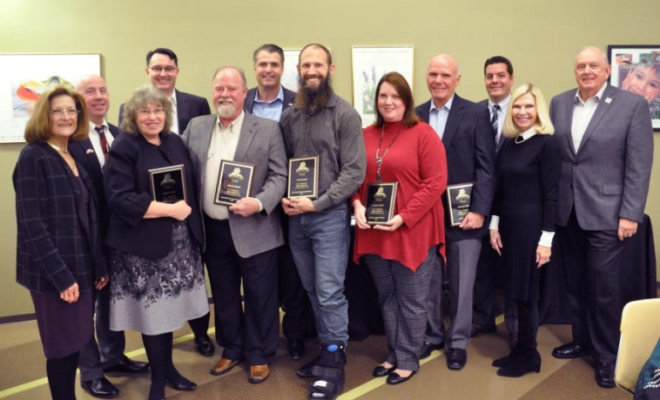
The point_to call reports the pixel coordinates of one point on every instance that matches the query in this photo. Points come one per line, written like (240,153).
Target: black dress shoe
(570,350)
(127,366)
(381,371)
(428,348)
(456,359)
(182,384)
(605,375)
(482,329)
(101,388)
(395,379)
(296,348)
(204,345)
(306,370)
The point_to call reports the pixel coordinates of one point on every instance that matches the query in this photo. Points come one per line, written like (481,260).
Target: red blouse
(417,161)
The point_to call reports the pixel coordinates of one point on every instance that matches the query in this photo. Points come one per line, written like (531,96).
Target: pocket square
(89,151)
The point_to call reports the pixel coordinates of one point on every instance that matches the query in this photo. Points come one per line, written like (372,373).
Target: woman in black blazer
(60,258)
(155,258)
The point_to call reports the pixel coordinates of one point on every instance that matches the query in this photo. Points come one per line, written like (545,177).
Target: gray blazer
(608,178)
(260,143)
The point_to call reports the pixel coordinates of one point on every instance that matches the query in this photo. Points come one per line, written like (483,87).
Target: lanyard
(379,159)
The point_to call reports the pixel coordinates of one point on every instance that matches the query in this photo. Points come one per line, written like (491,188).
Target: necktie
(104,141)
(493,120)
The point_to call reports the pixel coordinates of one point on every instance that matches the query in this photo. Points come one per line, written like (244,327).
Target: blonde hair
(142,96)
(543,123)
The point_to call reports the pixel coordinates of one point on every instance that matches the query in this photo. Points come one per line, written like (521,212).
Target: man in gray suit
(607,145)
(241,239)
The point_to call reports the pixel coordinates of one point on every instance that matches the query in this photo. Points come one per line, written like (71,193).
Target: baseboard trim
(17,318)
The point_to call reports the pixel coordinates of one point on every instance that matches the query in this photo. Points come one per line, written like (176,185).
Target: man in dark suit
(465,130)
(498,77)
(606,140)
(162,69)
(269,100)
(241,239)
(108,354)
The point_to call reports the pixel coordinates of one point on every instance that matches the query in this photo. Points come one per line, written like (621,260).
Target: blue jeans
(319,242)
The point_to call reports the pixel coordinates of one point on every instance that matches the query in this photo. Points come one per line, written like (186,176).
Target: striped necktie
(104,141)
(494,121)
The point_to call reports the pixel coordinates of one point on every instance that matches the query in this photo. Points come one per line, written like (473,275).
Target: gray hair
(237,69)
(596,48)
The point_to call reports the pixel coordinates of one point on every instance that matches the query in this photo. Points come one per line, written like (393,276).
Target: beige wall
(539,37)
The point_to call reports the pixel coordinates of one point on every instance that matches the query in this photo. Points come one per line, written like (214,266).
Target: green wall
(540,38)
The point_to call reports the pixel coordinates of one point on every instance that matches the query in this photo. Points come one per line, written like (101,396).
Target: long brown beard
(312,100)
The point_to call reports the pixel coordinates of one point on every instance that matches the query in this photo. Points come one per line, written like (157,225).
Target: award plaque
(234,182)
(458,201)
(168,184)
(303,177)
(381,199)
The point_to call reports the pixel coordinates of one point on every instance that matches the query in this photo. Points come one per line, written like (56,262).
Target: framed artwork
(369,65)
(636,68)
(24,77)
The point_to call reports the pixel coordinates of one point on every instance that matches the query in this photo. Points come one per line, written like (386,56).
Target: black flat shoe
(395,379)
(296,348)
(570,350)
(127,366)
(427,349)
(100,388)
(182,384)
(204,345)
(381,371)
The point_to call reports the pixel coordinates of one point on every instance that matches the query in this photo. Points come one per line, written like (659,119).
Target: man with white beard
(241,239)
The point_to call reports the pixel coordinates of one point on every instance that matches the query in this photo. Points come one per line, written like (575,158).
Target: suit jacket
(500,142)
(468,140)
(260,143)
(289,99)
(84,154)
(188,106)
(58,235)
(128,190)
(608,178)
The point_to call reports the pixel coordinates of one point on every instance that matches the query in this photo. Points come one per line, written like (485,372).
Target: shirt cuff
(546,238)
(494,223)
(261,206)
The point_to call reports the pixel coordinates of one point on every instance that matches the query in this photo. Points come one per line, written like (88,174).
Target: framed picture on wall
(24,77)
(636,68)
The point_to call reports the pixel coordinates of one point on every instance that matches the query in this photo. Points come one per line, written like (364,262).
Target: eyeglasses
(167,70)
(147,112)
(59,113)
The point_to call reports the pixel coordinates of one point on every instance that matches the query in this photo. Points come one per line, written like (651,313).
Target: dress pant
(298,320)
(462,258)
(484,308)
(320,244)
(403,296)
(110,348)
(592,260)
(251,334)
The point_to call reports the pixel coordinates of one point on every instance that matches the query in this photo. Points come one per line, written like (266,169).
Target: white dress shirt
(96,140)
(501,113)
(583,111)
(175,116)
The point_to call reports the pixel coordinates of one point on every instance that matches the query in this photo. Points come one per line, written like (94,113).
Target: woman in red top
(402,252)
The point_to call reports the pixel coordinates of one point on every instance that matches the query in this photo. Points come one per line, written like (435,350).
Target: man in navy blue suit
(108,354)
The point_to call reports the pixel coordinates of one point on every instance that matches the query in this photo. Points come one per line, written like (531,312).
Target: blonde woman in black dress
(524,210)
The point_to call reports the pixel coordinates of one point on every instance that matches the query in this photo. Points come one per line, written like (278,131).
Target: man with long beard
(324,125)
(241,239)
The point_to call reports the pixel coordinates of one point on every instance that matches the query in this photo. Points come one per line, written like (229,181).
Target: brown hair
(142,96)
(38,129)
(316,46)
(403,90)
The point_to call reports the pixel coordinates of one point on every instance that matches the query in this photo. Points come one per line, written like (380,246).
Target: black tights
(61,374)
(200,325)
(528,326)
(159,353)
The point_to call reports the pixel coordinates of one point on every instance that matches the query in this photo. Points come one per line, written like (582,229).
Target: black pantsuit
(592,261)
(251,334)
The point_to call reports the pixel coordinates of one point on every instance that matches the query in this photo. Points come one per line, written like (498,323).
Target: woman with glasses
(155,258)
(60,258)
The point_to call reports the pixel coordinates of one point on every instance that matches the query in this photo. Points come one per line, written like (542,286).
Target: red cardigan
(417,160)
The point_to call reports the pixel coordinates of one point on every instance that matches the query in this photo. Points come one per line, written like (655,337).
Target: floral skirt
(158,296)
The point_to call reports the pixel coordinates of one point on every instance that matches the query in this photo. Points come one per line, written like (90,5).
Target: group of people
(91,235)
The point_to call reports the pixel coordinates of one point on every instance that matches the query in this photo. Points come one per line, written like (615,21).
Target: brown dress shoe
(258,373)
(223,366)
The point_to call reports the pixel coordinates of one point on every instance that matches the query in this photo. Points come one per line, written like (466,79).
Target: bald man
(108,354)
(467,134)
(606,140)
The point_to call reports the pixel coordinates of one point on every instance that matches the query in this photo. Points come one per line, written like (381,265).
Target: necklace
(57,148)
(379,159)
